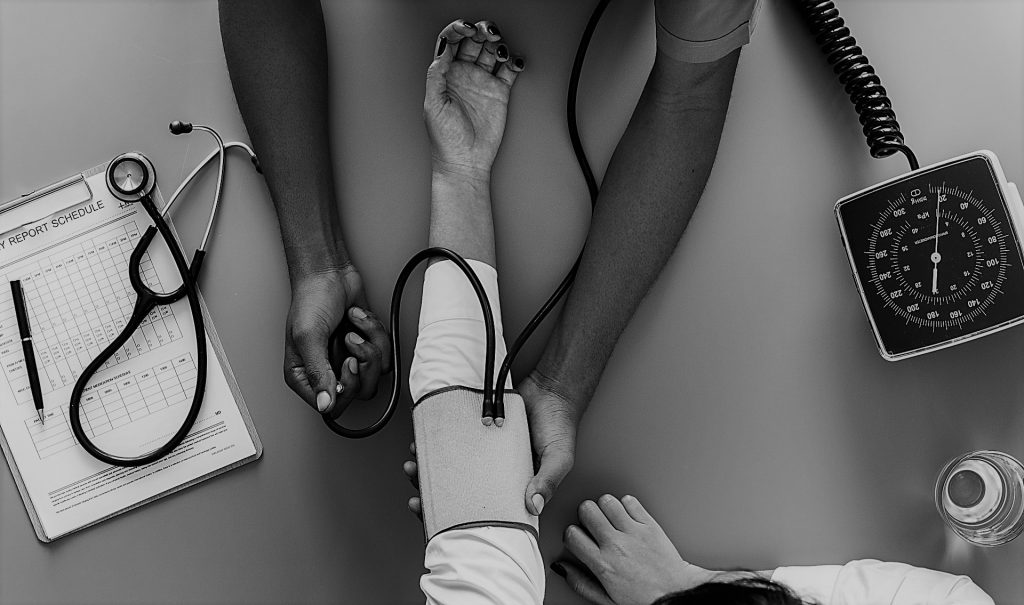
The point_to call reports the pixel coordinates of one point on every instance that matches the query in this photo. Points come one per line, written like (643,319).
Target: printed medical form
(73,266)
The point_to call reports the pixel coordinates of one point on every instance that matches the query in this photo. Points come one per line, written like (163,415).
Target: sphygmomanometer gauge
(936,254)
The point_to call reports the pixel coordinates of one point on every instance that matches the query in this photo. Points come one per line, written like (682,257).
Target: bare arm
(653,183)
(276,52)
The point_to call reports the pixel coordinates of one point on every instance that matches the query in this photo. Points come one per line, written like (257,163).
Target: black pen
(26,346)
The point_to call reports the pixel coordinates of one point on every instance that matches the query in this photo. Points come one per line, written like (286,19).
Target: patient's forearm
(460,216)
(276,52)
(653,183)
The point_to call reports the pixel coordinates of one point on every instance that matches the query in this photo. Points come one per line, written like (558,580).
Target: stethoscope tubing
(199,167)
(147,299)
(144,303)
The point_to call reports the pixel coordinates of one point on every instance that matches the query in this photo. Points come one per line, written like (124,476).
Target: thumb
(555,463)
(436,82)
(311,346)
(582,583)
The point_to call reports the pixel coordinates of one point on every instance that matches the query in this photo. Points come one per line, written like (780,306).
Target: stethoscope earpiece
(179,127)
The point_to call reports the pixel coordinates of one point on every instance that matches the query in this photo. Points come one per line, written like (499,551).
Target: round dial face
(935,256)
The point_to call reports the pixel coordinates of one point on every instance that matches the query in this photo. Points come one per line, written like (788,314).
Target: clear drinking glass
(980,496)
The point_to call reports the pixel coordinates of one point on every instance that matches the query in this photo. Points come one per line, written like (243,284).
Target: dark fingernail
(442,44)
(493,30)
(519,63)
(558,568)
(502,52)
(468,24)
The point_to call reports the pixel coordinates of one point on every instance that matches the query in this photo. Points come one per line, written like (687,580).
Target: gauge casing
(936,254)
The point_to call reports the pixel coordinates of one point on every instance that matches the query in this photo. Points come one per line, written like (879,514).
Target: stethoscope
(130,177)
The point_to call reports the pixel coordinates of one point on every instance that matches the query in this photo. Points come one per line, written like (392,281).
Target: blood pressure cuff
(471,475)
(701,31)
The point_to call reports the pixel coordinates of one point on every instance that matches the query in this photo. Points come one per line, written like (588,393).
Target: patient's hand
(628,557)
(466,102)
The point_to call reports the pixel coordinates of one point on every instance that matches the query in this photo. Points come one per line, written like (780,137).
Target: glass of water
(980,496)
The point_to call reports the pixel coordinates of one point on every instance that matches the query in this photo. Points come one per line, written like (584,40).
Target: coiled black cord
(858,79)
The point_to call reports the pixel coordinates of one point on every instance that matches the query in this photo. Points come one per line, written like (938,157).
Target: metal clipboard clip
(39,204)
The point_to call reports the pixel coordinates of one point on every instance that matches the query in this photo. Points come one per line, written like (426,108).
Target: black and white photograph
(609,302)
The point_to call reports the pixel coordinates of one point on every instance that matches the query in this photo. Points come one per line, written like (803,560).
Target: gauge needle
(936,257)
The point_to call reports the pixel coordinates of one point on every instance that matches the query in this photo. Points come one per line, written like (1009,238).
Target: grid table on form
(114,404)
(79,298)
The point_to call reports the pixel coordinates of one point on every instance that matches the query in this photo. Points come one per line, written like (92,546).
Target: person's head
(746,591)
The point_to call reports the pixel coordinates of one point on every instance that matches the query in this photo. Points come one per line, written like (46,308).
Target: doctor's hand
(553,420)
(321,302)
(466,101)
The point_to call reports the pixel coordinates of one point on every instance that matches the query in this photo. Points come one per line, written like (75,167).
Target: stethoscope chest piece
(130,176)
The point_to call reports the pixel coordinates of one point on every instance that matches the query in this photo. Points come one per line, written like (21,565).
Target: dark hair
(745,591)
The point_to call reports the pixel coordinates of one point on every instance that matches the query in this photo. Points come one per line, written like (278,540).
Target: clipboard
(76,216)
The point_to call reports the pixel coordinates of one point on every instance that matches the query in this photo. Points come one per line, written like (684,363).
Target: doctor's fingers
(412,472)
(509,70)
(349,385)
(470,48)
(307,370)
(416,507)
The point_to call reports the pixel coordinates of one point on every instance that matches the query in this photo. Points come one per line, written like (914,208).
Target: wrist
(573,404)
(310,260)
(460,174)
(568,371)
(461,187)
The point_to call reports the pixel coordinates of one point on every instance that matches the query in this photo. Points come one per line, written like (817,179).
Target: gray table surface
(746,404)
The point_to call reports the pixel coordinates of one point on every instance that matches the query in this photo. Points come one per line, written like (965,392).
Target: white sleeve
(484,565)
(452,341)
(478,564)
(871,582)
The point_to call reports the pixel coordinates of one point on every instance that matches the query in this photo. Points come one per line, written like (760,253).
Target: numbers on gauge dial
(937,257)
